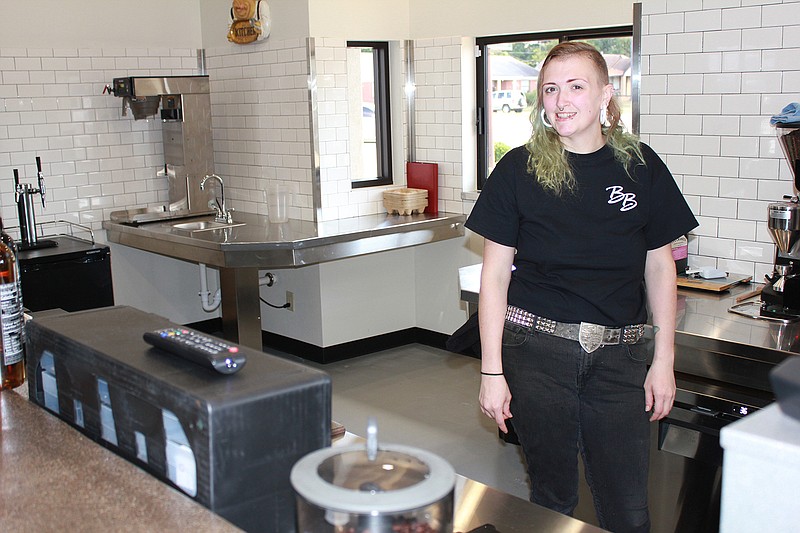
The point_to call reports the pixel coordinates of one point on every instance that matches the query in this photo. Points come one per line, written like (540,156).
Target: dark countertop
(52,478)
(66,245)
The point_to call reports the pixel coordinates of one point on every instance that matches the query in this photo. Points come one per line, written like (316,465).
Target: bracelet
(491,373)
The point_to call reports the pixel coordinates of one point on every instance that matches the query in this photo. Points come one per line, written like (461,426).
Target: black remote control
(199,348)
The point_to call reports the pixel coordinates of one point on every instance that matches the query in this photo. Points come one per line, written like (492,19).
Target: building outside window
(507,70)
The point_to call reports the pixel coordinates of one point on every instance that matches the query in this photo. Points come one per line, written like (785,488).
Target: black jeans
(566,401)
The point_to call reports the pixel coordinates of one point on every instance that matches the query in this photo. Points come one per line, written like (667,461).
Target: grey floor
(427,398)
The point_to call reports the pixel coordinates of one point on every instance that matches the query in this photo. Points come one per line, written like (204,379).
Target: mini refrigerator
(73,276)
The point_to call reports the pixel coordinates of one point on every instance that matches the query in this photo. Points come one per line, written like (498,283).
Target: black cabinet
(72,276)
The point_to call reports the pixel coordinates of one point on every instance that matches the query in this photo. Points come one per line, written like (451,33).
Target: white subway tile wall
(260,121)
(438,115)
(334,83)
(94,160)
(713,73)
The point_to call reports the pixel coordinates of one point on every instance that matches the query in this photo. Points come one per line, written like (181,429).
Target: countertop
(253,243)
(762,450)
(52,478)
(703,321)
(66,246)
(713,347)
(259,243)
(480,508)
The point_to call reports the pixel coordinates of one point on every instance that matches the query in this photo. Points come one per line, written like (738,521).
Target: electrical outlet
(290,300)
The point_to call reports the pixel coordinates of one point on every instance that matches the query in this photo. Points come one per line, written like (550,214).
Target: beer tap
(23,195)
(40,179)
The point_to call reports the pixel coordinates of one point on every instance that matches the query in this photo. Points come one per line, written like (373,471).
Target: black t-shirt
(580,257)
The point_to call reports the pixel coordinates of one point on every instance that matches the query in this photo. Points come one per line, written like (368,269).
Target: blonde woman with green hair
(577,226)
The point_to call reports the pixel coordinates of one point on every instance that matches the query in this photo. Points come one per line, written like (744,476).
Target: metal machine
(781,296)
(185,105)
(23,195)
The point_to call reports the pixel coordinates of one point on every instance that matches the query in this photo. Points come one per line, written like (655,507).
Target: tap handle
(17,186)
(41,178)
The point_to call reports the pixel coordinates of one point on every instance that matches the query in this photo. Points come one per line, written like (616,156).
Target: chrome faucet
(223,214)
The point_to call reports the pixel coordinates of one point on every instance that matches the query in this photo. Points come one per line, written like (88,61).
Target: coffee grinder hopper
(784,217)
(789,138)
(784,226)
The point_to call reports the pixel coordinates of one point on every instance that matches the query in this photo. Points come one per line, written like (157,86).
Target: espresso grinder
(781,295)
(23,195)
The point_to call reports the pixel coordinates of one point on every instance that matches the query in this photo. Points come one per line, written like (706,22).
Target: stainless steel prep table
(703,322)
(52,478)
(240,251)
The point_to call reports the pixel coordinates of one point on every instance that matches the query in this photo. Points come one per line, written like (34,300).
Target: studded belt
(590,336)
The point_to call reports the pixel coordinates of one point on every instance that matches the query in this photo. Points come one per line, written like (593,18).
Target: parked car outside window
(508,101)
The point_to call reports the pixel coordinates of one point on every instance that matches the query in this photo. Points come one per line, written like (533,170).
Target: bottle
(12,369)
(8,241)
(680,253)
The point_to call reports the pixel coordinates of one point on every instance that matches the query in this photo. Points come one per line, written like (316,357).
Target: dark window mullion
(483,91)
(383,136)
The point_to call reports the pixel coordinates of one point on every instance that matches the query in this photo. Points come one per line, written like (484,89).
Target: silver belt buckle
(590,336)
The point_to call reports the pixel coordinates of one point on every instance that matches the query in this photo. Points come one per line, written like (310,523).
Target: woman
(586,214)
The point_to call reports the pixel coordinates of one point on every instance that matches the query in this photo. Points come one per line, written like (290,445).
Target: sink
(203,225)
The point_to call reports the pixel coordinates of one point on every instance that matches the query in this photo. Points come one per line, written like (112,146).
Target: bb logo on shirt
(615,196)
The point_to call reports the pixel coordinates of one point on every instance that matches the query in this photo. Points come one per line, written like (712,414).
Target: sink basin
(203,225)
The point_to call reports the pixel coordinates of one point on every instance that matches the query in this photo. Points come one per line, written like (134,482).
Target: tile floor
(426,398)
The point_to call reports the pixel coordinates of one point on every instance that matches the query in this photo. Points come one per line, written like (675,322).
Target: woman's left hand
(659,385)
(659,389)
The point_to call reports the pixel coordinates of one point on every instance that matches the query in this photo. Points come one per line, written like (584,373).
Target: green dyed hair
(547,157)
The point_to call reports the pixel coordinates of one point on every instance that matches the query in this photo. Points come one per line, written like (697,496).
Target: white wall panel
(98,24)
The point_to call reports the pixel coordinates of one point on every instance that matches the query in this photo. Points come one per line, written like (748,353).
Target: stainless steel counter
(722,366)
(258,243)
(480,508)
(711,343)
(239,251)
(703,321)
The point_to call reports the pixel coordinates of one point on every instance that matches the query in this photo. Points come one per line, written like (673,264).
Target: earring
(544,120)
(603,116)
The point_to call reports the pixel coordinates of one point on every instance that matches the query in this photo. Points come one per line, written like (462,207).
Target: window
(369,113)
(507,70)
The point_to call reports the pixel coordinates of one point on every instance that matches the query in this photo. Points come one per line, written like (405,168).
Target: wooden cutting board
(715,285)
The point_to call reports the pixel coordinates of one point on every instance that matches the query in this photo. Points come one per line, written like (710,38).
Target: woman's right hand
(495,400)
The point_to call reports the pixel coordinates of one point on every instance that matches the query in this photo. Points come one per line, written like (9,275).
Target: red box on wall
(425,176)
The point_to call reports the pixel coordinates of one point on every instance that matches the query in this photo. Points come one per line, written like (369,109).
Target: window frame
(483,104)
(383,121)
